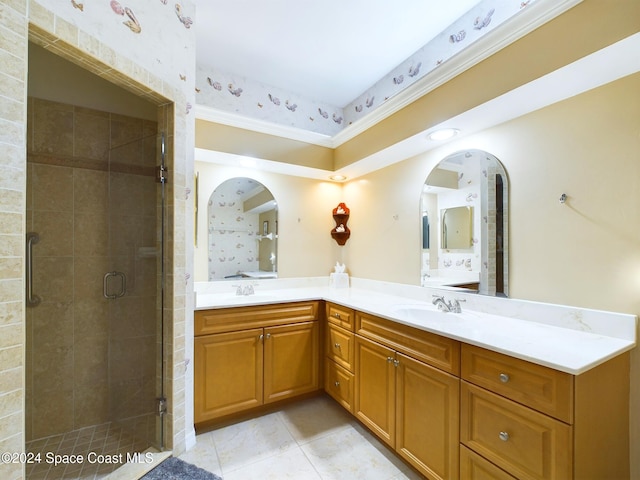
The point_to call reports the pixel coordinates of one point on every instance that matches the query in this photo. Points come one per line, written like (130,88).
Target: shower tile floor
(108,439)
(314,439)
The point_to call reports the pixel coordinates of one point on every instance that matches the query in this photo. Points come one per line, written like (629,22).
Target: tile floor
(313,439)
(108,439)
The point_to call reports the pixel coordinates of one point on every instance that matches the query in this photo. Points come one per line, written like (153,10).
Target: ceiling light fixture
(338,178)
(443,134)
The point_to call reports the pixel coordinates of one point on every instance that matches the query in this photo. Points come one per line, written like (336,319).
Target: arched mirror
(464,216)
(243,231)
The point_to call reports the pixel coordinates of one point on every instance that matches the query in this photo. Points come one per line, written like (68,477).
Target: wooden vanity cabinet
(339,351)
(535,422)
(411,405)
(245,357)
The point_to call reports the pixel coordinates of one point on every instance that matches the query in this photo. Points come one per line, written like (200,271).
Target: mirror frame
(493,209)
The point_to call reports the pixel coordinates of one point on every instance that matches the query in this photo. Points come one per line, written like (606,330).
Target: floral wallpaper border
(247,97)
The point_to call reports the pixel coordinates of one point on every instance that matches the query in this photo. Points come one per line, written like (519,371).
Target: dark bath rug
(175,469)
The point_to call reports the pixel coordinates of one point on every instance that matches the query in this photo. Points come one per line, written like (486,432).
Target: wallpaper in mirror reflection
(243,231)
(474,182)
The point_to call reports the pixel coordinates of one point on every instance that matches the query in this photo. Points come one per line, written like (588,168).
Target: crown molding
(527,20)
(515,28)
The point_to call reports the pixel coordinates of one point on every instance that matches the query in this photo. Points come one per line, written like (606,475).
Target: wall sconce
(341,232)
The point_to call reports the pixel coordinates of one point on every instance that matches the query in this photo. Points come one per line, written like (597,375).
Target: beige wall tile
(66,31)
(10,290)
(91,405)
(91,235)
(52,188)
(91,191)
(10,402)
(56,234)
(10,312)
(52,128)
(10,223)
(53,278)
(91,134)
(91,361)
(52,414)
(11,357)
(11,267)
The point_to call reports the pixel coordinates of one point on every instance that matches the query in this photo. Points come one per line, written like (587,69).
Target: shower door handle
(105,285)
(32,300)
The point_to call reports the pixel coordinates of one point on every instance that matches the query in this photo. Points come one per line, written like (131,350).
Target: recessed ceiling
(305,47)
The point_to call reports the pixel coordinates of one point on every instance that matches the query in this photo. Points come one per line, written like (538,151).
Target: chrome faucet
(444,306)
(244,290)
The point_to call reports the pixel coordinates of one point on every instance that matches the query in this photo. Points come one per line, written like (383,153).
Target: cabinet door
(291,360)
(427,418)
(374,403)
(228,373)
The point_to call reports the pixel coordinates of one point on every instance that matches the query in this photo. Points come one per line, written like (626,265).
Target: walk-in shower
(94,254)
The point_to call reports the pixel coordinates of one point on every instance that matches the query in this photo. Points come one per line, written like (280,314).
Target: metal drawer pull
(32,300)
(337,315)
(105,285)
(337,383)
(504,436)
(504,378)
(336,345)
(389,359)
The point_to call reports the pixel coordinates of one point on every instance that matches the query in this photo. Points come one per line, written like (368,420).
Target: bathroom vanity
(456,396)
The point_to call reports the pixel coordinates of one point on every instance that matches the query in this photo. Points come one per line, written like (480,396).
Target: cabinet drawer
(438,351)
(525,443)
(544,389)
(339,383)
(339,346)
(341,316)
(474,467)
(241,318)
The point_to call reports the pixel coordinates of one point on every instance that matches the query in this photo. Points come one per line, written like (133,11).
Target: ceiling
(306,46)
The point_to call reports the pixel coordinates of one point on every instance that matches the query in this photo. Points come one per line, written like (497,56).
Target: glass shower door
(133,283)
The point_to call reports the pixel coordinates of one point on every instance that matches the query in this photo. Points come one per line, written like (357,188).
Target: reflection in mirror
(457,228)
(471,185)
(243,231)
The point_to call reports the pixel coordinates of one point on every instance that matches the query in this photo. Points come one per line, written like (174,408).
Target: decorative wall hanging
(341,232)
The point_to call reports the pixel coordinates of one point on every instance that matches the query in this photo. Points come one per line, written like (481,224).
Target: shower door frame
(172,116)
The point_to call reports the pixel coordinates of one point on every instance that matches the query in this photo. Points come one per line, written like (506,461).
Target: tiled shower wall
(13,75)
(91,196)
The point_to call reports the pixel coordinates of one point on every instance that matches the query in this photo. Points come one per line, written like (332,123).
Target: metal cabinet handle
(504,436)
(260,337)
(336,345)
(268,335)
(32,300)
(337,315)
(504,378)
(337,383)
(389,359)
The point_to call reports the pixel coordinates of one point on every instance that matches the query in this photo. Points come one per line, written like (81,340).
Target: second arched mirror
(243,231)
(464,223)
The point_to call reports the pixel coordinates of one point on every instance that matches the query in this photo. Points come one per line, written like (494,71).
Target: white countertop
(569,339)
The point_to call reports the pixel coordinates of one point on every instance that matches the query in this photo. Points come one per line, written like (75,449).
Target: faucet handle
(455,305)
